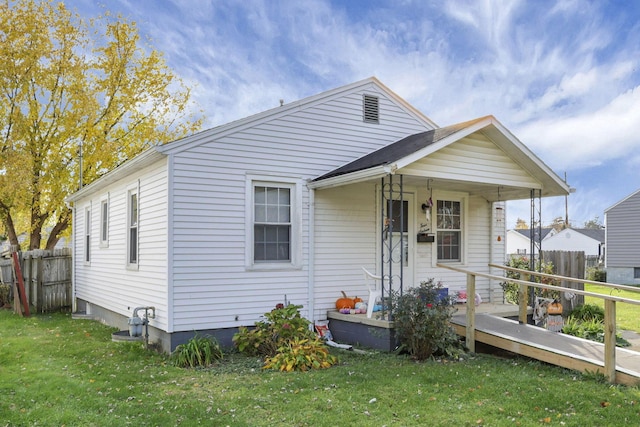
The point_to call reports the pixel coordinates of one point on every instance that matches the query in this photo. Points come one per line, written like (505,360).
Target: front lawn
(627,315)
(57,371)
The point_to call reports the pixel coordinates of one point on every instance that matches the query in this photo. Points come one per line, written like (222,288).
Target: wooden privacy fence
(568,264)
(47,278)
(609,306)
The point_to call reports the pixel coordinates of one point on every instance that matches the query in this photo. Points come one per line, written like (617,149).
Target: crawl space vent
(371,110)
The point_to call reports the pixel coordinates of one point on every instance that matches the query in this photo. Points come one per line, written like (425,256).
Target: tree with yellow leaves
(72,89)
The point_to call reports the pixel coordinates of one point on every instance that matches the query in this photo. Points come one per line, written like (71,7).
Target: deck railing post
(470,337)
(523,299)
(610,340)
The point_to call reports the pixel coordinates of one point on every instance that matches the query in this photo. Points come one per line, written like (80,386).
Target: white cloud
(589,139)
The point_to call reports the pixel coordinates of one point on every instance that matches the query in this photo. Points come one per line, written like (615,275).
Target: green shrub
(587,312)
(590,329)
(198,351)
(596,274)
(5,290)
(281,325)
(301,355)
(422,322)
(512,289)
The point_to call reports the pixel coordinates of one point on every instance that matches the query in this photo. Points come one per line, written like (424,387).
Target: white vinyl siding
(108,282)
(473,159)
(622,229)
(212,243)
(346,239)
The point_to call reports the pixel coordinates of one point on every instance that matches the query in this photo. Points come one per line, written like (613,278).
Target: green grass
(56,371)
(627,315)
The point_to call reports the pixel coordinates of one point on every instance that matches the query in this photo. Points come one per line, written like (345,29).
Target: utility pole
(566,205)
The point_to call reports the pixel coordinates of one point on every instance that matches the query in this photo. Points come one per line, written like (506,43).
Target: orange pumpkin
(554,308)
(346,302)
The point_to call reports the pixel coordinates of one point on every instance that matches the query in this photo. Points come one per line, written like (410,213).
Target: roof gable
(415,153)
(288,108)
(593,233)
(623,201)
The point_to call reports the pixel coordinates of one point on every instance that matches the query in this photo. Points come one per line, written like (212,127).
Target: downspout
(311,259)
(492,247)
(74,301)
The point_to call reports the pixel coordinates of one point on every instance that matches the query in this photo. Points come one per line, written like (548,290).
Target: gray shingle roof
(399,149)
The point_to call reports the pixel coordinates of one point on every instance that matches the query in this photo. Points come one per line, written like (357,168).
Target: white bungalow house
(622,236)
(519,240)
(215,229)
(587,240)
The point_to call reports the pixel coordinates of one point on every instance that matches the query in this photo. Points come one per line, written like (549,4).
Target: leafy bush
(512,289)
(301,355)
(5,291)
(590,329)
(198,351)
(421,320)
(281,325)
(596,274)
(588,312)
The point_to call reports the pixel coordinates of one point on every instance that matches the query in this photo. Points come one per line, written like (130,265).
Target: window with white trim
(271,223)
(132,228)
(87,235)
(104,222)
(449,230)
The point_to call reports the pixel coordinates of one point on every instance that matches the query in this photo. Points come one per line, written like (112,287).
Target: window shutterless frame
(273,223)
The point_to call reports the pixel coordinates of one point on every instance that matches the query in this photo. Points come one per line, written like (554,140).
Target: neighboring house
(587,240)
(215,229)
(5,245)
(519,240)
(622,230)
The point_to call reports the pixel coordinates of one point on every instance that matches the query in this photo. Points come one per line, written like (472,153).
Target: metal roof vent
(371,109)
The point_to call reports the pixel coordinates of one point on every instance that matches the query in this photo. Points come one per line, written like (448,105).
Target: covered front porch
(433,197)
(378,333)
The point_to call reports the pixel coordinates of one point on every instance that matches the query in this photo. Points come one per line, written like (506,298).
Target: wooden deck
(551,347)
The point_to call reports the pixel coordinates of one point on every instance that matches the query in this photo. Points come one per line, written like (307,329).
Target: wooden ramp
(551,347)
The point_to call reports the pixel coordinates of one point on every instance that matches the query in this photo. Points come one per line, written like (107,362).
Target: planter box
(358,330)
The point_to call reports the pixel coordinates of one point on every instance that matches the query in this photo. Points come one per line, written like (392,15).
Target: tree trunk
(10,227)
(61,225)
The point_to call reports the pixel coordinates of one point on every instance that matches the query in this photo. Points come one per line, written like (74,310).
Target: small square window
(636,272)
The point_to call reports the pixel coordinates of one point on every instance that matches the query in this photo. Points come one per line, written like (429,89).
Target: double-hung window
(272,224)
(132,226)
(104,222)
(449,230)
(87,235)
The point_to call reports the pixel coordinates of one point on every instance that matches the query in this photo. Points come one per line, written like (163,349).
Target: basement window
(371,109)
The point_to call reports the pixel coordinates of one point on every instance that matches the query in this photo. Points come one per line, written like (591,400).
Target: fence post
(610,340)
(470,338)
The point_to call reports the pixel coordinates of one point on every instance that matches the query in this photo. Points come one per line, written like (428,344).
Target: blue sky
(563,76)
